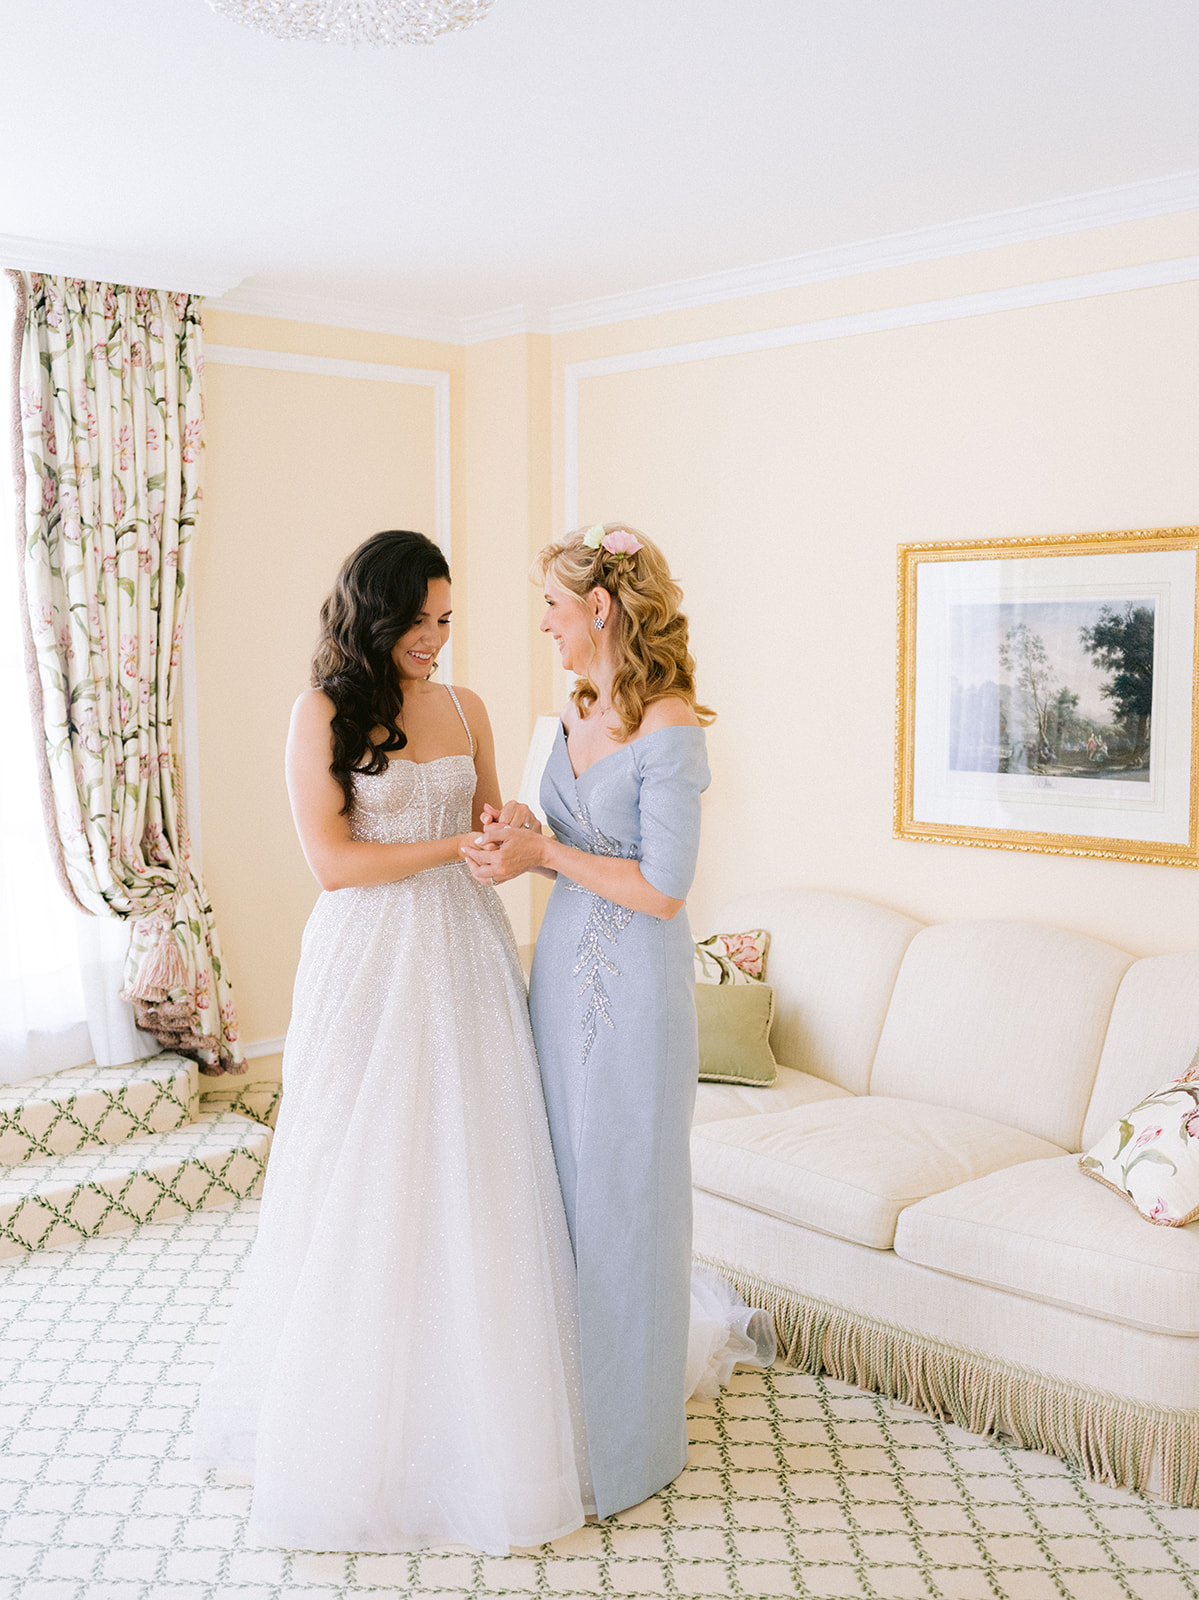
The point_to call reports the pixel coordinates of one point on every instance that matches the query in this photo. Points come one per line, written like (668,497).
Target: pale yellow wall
(299,469)
(508,481)
(780,484)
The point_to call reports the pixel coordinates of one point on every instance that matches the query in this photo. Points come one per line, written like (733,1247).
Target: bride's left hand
(502,852)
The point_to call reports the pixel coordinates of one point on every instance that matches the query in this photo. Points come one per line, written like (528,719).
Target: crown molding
(100,265)
(362,315)
(1098,208)
(229,291)
(504,322)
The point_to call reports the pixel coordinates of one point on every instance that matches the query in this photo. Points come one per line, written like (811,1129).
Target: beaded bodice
(414,800)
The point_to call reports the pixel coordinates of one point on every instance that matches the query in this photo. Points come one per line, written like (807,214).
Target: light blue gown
(613,1009)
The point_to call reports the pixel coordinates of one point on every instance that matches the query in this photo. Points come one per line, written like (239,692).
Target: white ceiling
(564,150)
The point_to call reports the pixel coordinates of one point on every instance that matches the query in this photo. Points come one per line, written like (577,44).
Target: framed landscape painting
(1049,695)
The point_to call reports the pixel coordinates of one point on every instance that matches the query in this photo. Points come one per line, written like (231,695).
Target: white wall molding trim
(143,270)
(1099,208)
(263,1047)
(333,313)
(504,322)
(372,372)
(1120,280)
(322,367)
(1073,213)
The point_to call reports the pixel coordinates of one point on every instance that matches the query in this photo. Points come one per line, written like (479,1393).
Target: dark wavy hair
(378,595)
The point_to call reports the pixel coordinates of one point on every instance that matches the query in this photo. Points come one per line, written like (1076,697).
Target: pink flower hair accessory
(620,542)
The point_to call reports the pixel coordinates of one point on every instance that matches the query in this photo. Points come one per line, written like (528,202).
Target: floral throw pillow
(732,957)
(1151,1156)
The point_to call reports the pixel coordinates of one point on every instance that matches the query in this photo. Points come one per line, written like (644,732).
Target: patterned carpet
(796,1486)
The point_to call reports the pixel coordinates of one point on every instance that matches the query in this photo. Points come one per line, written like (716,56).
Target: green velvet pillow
(734,1033)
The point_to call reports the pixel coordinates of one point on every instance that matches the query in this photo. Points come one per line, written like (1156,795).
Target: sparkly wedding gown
(401,1367)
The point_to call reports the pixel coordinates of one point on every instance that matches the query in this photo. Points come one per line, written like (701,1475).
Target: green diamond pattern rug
(796,1486)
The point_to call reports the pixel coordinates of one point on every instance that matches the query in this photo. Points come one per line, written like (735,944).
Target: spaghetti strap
(462,714)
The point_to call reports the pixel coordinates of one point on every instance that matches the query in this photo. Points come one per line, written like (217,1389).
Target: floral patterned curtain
(112,422)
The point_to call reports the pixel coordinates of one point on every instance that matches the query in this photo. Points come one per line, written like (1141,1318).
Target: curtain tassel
(163,968)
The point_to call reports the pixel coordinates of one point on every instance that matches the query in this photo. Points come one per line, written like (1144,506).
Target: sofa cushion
(1002,1019)
(832,963)
(1044,1231)
(716,1102)
(850,1166)
(1152,1037)
(1150,1156)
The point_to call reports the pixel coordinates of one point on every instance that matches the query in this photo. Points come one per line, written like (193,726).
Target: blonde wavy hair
(649,631)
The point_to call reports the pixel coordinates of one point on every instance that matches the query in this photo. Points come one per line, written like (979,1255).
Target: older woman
(612,997)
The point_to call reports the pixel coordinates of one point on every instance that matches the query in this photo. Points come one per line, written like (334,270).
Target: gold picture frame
(1048,695)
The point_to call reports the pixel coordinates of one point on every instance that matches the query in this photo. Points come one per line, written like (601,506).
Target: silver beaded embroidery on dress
(401,1366)
(604,921)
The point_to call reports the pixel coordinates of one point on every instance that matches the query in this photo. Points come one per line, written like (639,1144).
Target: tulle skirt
(401,1365)
(724,1331)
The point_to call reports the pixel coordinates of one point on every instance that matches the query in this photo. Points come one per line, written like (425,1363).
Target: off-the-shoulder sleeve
(673,766)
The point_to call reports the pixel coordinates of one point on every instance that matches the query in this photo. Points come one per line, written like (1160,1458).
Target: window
(60,971)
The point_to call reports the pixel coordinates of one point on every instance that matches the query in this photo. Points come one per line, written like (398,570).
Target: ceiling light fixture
(375,22)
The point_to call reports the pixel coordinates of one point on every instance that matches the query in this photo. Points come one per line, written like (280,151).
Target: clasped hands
(511,842)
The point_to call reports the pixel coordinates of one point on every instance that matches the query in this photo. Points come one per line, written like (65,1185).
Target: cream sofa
(907,1200)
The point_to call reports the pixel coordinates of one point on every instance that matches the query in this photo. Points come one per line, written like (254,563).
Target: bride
(401,1366)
